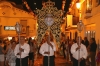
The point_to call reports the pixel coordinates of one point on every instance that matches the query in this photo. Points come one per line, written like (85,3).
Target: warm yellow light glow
(33,38)
(69,20)
(9,38)
(78,5)
(70,9)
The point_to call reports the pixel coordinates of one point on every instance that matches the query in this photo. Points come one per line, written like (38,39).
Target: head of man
(85,38)
(78,40)
(22,40)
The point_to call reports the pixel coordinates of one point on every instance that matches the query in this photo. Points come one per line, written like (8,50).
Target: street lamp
(18,28)
(78,5)
(80,26)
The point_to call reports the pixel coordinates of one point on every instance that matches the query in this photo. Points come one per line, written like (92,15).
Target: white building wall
(9,15)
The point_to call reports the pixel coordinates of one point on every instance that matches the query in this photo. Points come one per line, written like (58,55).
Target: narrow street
(59,61)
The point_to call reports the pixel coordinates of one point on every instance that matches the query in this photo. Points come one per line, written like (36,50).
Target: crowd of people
(13,53)
(83,52)
(76,51)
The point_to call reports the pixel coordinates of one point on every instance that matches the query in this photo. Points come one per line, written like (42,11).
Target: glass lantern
(80,26)
(18,28)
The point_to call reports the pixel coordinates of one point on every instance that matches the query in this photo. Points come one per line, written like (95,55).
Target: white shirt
(75,54)
(24,54)
(45,48)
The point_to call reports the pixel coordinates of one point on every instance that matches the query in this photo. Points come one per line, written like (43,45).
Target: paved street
(59,61)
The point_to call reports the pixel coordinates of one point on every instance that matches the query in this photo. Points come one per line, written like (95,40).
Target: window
(24,25)
(88,6)
(90,34)
(98,2)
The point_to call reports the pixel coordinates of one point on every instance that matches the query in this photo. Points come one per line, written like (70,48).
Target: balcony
(87,14)
(71,23)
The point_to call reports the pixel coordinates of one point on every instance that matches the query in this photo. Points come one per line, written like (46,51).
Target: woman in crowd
(7,45)
(63,45)
(31,53)
(1,54)
(69,46)
(10,56)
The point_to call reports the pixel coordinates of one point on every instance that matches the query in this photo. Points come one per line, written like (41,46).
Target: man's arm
(41,51)
(73,49)
(85,52)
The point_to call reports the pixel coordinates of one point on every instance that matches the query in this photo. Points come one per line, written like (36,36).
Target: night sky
(58,4)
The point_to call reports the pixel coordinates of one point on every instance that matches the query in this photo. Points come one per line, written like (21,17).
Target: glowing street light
(78,5)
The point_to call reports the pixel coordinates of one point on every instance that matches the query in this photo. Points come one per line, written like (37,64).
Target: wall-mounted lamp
(78,5)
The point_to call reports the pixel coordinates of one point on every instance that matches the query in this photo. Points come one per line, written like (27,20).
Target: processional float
(49,20)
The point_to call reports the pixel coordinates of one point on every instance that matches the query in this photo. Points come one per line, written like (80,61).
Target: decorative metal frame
(43,27)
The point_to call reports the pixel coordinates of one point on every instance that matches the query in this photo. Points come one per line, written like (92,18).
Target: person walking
(1,54)
(79,52)
(21,52)
(10,56)
(31,53)
(86,42)
(48,49)
(93,47)
(63,45)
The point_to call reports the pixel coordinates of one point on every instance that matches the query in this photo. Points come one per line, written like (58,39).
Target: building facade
(90,15)
(10,14)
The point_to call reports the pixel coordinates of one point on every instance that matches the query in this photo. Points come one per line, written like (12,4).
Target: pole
(48,56)
(49,49)
(79,35)
(79,49)
(19,47)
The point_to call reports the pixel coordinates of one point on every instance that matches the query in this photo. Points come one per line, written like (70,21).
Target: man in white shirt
(48,49)
(21,52)
(79,53)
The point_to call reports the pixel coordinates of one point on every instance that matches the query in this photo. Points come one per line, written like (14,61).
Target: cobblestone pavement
(59,61)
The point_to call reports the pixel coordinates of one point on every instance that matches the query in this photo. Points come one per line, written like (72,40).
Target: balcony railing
(88,14)
(73,25)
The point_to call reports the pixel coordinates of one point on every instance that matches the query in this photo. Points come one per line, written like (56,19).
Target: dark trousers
(31,56)
(75,62)
(64,53)
(92,56)
(24,61)
(51,61)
